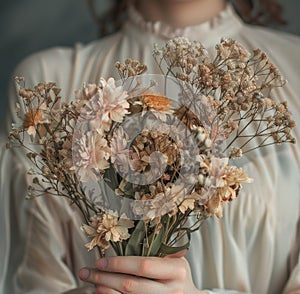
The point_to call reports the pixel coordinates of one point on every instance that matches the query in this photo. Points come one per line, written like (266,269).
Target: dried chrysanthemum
(157,102)
(105,228)
(234,176)
(224,185)
(91,155)
(109,103)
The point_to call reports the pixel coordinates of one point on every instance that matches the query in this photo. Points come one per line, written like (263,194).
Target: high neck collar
(165,31)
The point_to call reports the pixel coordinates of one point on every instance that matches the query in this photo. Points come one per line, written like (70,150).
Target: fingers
(148,267)
(82,290)
(179,254)
(104,290)
(136,274)
(106,282)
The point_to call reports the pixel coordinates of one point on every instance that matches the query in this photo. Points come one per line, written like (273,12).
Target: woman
(253,249)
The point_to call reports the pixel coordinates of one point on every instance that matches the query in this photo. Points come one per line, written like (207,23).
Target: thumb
(179,254)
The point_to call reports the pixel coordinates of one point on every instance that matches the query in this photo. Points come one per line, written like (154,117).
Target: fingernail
(102,263)
(84,273)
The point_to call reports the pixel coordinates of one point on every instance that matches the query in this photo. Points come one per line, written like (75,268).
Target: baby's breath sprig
(240,84)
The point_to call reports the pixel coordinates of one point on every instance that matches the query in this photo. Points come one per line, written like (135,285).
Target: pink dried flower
(108,104)
(91,156)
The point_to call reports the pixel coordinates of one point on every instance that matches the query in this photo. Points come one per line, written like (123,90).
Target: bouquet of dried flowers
(147,159)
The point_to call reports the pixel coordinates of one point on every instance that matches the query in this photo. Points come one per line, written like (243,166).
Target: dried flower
(153,158)
(159,103)
(104,228)
(91,156)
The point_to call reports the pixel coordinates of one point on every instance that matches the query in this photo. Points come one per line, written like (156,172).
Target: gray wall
(31,25)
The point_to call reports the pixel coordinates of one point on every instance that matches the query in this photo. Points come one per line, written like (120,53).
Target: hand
(136,274)
(82,290)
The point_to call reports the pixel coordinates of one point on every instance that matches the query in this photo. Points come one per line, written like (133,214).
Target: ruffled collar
(163,30)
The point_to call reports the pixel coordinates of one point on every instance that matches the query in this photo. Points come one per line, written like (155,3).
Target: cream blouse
(254,248)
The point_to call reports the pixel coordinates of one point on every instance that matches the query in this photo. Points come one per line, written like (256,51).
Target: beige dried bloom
(104,228)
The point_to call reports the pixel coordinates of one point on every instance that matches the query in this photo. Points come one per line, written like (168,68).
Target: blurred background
(32,25)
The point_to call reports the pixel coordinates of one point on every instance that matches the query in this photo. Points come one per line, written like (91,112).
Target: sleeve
(47,265)
(34,254)
(221,291)
(293,284)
